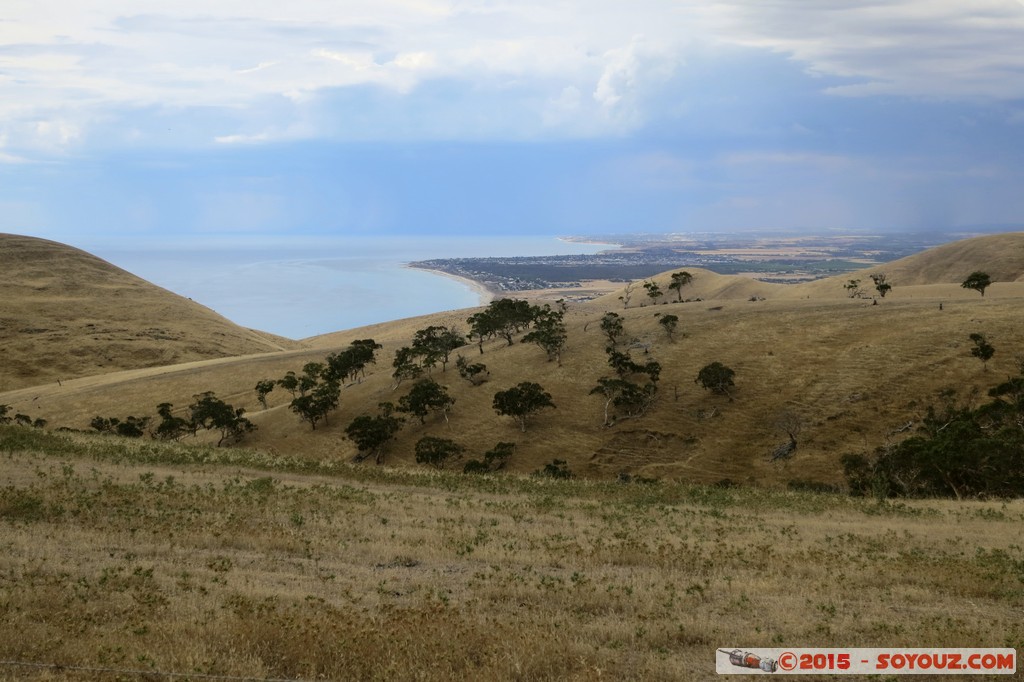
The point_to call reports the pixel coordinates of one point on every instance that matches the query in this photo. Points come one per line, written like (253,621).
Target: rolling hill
(65,313)
(281,559)
(1001,256)
(852,373)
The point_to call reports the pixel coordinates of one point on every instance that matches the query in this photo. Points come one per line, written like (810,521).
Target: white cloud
(242,139)
(946,49)
(415,61)
(575,67)
(56,133)
(259,67)
(11,158)
(72,60)
(630,72)
(564,108)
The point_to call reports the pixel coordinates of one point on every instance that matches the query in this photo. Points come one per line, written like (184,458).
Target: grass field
(140,556)
(852,371)
(282,559)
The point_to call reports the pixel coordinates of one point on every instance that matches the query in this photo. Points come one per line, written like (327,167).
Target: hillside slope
(1000,255)
(706,285)
(65,313)
(852,373)
(936,272)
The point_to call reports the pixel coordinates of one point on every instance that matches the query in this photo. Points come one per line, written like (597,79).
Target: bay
(298,290)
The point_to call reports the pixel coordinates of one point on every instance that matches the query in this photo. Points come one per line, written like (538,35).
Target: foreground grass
(141,556)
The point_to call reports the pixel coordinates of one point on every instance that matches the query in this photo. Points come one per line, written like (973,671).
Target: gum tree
(426,396)
(548,332)
(881,285)
(611,325)
(982,350)
(669,324)
(654,292)
(372,434)
(716,378)
(679,280)
(522,402)
(978,281)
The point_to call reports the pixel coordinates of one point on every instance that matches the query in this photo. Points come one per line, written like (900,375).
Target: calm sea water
(300,291)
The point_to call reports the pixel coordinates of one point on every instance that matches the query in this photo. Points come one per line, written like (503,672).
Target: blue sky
(193,122)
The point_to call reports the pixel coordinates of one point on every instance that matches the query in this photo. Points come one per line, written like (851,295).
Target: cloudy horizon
(244,120)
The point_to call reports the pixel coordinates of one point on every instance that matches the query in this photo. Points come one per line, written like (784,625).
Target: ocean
(301,291)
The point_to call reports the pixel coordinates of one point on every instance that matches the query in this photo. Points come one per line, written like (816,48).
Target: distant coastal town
(780,259)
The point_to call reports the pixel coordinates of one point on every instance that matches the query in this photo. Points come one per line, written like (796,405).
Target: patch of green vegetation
(823,268)
(645,494)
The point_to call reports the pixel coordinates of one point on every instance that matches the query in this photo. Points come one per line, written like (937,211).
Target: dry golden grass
(1001,256)
(65,313)
(286,561)
(134,555)
(853,373)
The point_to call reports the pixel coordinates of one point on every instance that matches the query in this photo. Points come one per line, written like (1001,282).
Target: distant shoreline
(483,293)
(584,240)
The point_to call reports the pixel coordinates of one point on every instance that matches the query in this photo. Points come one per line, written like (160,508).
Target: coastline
(591,242)
(482,292)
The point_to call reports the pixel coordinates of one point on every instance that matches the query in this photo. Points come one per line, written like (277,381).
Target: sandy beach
(589,290)
(483,293)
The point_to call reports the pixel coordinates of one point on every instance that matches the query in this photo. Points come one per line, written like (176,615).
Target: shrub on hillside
(556,468)
(957,452)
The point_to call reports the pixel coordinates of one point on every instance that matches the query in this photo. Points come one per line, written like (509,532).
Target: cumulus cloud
(629,74)
(579,68)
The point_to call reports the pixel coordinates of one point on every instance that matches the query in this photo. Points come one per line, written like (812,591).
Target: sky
(216,122)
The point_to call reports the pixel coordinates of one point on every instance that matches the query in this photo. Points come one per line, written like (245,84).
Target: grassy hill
(282,559)
(1001,256)
(853,374)
(142,558)
(65,313)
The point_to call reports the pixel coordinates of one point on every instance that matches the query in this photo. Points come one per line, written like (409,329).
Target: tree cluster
(958,452)
(316,392)
(677,282)
(548,332)
(506,317)
(503,318)
(19,418)
(131,427)
(429,347)
(492,460)
(206,412)
(630,400)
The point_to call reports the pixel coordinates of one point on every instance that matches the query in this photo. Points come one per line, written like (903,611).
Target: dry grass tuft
(153,558)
